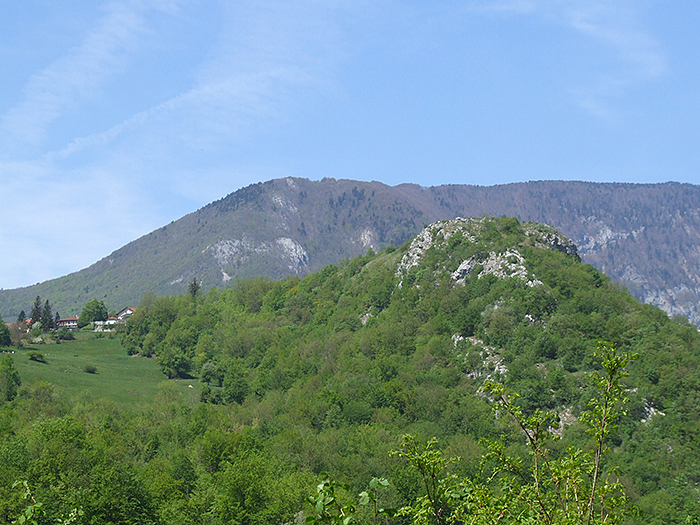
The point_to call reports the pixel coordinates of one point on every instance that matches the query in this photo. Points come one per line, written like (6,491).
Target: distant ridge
(644,236)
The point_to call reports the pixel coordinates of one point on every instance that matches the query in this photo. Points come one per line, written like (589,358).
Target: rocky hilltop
(645,237)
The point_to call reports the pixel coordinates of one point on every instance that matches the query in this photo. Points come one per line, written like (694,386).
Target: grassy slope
(128,381)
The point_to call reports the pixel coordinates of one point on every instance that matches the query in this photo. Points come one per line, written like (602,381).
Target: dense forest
(443,377)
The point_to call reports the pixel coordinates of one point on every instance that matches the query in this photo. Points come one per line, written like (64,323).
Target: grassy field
(129,381)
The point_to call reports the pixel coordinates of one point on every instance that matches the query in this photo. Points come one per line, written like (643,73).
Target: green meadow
(127,380)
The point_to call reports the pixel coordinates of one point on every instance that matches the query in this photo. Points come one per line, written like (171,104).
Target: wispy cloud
(111,185)
(616,26)
(74,77)
(214,109)
(639,56)
(261,56)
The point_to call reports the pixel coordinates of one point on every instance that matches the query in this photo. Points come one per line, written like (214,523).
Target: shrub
(37,356)
(90,369)
(65,334)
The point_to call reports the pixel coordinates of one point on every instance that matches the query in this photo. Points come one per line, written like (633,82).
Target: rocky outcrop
(508,264)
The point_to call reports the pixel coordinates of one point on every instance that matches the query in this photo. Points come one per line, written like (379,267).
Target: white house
(125,313)
(68,322)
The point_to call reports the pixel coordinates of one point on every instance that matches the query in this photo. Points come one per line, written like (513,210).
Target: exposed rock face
(510,263)
(293,253)
(437,232)
(547,237)
(492,365)
(228,251)
(231,252)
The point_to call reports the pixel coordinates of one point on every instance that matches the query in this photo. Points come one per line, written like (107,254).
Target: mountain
(326,373)
(282,383)
(645,237)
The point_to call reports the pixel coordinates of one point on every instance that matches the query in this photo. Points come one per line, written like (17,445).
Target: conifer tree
(36,310)
(47,322)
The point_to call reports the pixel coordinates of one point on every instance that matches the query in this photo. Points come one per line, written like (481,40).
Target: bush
(90,369)
(64,334)
(37,356)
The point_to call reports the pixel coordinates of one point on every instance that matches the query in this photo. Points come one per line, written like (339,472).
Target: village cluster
(71,323)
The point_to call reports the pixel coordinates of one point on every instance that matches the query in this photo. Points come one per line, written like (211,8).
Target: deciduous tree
(9,378)
(92,311)
(5,339)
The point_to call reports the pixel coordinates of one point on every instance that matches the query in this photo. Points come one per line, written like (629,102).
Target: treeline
(327,373)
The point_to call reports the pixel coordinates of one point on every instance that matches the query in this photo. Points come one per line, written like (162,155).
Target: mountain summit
(645,237)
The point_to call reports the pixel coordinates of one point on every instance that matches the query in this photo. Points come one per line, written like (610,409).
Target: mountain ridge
(644,236)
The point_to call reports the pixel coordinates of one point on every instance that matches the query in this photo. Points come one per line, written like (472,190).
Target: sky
(119,117)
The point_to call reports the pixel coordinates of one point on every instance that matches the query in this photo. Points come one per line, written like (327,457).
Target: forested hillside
(645,237)
(327,372)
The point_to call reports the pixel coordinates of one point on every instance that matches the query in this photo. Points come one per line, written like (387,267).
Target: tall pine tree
(47,322)
(36,311)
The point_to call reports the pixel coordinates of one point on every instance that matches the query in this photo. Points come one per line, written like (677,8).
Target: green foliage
(65,334)
(275,382)
(5,337)
(194,289)
(35,510)
(568,489)
(572,488)
(36,311)
(47,319)
(9,378)
(37,356)
(428,461)
(92,311)
(372,497)
(328,510)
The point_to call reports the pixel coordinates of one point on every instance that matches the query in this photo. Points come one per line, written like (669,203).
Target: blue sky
(119,117)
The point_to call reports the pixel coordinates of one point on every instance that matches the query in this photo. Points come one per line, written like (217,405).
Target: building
(125,313)
(68,322)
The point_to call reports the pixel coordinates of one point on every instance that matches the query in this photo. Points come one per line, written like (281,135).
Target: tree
(5,339)
(194,288)
(9,378)
(571,489)
(92,311)
(47,322)
(21,317)
(36,310)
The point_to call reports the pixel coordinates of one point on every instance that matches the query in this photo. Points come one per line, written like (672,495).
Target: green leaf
(364,498)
